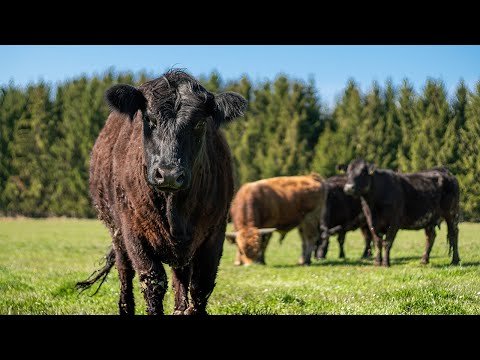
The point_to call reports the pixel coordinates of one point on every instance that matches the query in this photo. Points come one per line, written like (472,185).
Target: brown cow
(161,180)
(280,203)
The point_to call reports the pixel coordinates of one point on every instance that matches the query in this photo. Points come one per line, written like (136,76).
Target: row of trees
(46,136)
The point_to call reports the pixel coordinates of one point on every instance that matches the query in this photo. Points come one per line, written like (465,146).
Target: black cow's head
(359,177)
(178,114)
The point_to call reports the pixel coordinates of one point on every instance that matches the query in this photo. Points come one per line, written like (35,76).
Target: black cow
(393,201)
(161,179)
(342,213)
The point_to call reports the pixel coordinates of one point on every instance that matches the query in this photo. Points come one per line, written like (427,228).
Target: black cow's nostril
(159,176)
(180,179)
(169,179)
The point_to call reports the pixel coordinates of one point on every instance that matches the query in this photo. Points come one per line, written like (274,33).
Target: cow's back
(429,195)
(280,202)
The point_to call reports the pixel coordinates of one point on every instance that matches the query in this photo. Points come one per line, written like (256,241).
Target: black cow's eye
(200,125)
(148,120)
(152,124)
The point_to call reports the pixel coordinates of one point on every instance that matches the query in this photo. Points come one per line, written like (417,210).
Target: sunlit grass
(41,260)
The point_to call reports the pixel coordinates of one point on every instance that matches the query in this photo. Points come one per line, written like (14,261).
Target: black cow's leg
(322,250)
(181,279)
(387,244)
(152,276)
(341,241)
(371,223)
(452,236)
(378,243)
(367,235)
(265,239)
(153,284)
(430,233)
(204,272)
(126,273)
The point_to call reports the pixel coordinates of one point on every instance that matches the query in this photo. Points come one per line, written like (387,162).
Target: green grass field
(41,260)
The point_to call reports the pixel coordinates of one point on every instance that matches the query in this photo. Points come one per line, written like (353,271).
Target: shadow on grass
(322,263)
(406,259)
(463,264)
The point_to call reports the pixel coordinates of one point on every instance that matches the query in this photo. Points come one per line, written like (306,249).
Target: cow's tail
(99,274)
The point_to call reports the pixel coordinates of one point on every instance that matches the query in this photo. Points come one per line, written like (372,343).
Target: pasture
(41,260)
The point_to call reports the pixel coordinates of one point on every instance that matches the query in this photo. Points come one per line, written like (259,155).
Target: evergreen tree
(45,143)
(470,158)
(338,143)
(433,114)
(234,131)
(379,133)
(370,135)
(329,149)
(72,150)
(249,149)
(214,83)
(449,154)
(391,136)
(25,191)
(12,106)
(407,118)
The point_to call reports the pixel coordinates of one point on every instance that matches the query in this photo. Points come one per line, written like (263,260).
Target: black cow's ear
(125,99)
(341,167)
(228,106)
(371,169)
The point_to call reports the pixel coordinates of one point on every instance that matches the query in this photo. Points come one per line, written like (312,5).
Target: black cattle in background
(393,201)
(343,213)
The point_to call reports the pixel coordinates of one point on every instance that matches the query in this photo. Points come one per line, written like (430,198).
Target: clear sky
(330,66)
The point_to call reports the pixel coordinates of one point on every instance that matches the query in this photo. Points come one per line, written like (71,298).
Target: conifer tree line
(47,133)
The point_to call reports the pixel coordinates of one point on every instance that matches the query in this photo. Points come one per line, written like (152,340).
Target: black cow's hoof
(194,311)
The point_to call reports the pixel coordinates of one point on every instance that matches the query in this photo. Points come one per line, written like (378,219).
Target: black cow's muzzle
(349,189)
(169,179)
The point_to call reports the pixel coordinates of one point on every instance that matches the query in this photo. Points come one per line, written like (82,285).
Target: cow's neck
(176,214)
(370,196)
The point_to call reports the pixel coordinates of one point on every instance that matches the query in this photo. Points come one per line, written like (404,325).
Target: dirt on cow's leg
(181,279)
(151,273)
(154,286)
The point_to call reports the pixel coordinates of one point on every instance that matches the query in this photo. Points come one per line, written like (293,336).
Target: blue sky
(330,66)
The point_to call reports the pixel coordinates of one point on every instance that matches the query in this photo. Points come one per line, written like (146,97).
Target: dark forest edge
(47,133)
